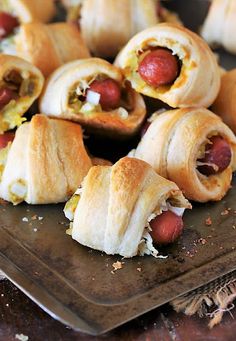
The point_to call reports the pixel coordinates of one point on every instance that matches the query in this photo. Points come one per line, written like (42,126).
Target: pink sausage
(6,95)
(109,91)
(7,24)
(159,67)
(218,154)
(166,227)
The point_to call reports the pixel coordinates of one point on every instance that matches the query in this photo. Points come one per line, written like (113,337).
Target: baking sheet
(79,286)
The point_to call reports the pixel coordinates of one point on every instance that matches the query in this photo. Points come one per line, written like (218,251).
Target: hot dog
(7,24)
(6,95)
(5,138)
(166,227)
(217,156)
(109,91)
(159,67)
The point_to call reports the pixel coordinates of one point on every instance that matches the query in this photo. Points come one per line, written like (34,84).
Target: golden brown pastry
(50,46)
(103,37)
(225,103)
(45,163)
(29,10)
(92,93)
(107,25)
(113,209)
(193,148)
(20,85)
(173,64)
(47,46)
(220,24)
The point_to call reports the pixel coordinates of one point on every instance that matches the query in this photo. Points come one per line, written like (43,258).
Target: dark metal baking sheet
(77,285)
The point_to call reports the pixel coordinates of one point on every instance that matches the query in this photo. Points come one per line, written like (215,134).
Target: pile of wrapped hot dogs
(187,152)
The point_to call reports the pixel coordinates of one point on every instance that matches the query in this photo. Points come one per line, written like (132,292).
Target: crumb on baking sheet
(25,219)
(202,241)
(139,269)
(225,212)
(208,221)
(117,266)
(21,337)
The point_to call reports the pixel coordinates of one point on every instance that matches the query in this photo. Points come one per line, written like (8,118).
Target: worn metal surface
(76,285)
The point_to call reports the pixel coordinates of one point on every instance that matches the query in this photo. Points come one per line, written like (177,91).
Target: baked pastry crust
(29,73)
(116,202)
(172,145)
(220,25)
(31,10)
(108,25)
(225,103)
(47,158)
(197,84)
(55,99)
(50,46)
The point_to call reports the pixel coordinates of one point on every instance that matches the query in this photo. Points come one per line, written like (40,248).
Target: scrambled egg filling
(24,85)
(5,6)
(135,56)
(3,158)
(84,101)
(70,206)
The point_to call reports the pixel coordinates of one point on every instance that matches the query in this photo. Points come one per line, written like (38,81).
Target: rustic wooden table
(19,315)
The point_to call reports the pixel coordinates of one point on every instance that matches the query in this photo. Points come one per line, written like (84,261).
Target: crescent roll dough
(225,103)
(174,142)
(29,10)
(112,209)
(198,81)
(50,46)
(26,81)
(220,24)
(62,93)
(107,25)
(46,162)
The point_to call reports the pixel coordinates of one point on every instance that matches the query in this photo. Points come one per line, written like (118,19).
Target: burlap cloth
(210,300)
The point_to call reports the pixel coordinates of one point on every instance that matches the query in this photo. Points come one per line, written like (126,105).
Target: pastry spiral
(113,207)
(197,78)
(220,25)
(64,89)
(21,84)
(176,141)
(107,25)
(45,163)
(50,46)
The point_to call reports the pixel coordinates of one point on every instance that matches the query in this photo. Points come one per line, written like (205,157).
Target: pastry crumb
(208,221)
(34,217)
(21,337)
(202,241)
(139,269)
(25,219)
(225,212)
(117,266)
